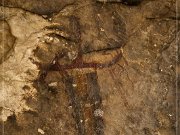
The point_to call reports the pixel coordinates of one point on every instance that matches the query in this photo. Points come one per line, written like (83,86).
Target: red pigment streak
(78,64)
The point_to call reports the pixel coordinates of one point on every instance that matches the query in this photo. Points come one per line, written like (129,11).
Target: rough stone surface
(6,42)
(92,68)
(42,7)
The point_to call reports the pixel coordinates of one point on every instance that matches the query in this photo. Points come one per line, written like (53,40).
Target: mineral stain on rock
(129,2)
(106,30)
(82,89)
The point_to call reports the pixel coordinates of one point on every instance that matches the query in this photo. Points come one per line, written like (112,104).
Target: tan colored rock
(19,70)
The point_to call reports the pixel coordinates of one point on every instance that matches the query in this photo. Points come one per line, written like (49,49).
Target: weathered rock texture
(42,7)
(90,68)
(7,41)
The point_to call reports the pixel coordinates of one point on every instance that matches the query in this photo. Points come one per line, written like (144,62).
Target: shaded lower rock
(69,106)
